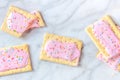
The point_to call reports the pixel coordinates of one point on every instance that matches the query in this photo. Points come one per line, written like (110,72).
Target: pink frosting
(63,50)
(35,22)
(107,37)
(19,23)
(112,62)
(12,59)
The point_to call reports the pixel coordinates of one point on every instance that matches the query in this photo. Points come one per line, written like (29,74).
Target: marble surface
(67,18)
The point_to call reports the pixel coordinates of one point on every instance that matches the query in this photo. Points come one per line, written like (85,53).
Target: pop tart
(105,34)
(18,21)
(15,59)
(61,49)
(113,62)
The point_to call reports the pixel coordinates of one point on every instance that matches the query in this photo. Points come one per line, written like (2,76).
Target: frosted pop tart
(61,49)
(18,21)
(14,59)
(113,62)
(105,34)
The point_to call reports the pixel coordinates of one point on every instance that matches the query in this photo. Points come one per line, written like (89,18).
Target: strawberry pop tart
(61,49)
(18,21)
(14,59)
(105,34)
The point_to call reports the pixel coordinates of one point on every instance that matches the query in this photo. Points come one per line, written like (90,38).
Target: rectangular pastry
(61,49)
(105,34)
(113,62)
(18,21)
(14,59)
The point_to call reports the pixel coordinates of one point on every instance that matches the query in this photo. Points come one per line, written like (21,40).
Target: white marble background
(67,18)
